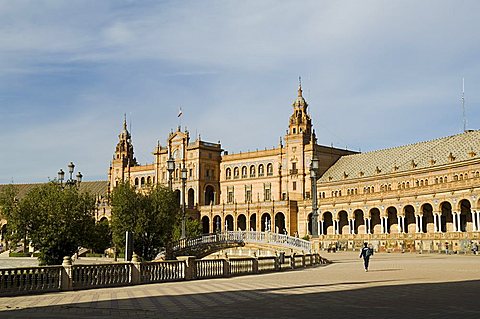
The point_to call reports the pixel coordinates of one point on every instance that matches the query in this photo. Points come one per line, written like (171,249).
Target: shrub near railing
(105,275)
(162,271)
(24,280)
(209,268)
(241,266)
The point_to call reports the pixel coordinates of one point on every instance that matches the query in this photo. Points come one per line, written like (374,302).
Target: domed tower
(300,125)
(300,143)
(123,158)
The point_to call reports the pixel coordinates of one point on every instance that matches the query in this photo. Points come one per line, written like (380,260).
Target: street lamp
(70,181)
(313,175)
(170,169)
(184,181)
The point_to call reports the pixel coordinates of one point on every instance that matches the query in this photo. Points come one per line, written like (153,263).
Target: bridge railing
(72,277)
(246,237)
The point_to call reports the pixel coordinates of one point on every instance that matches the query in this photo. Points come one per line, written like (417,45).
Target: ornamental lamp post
(314,176)
(184,181)
(70,182)
(170,169)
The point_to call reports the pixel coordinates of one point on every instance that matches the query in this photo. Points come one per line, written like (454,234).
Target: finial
(299,86)
(125,121)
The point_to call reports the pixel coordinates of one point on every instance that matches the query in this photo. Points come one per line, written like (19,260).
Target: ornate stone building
(423,196)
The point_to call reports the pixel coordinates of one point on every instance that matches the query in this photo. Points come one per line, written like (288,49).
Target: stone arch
(136,182)
(209,195)
(229,223)
(343,227)
(205,225)
(103,219)
(359,222)
(242,222)
(328,223)
(253,222)
(280,226)
(375,221)
(266,222)
(392,220)
(236,172)
(228,173)
(446,217)
(244,172)
(191,198)
(428,225)
(261,170)
(269,169)
(142,181)
(465,210)
(409,219)
(217,224)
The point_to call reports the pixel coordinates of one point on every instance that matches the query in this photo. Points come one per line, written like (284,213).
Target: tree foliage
(56,221)
(150,216)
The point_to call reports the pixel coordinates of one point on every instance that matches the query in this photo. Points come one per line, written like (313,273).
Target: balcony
(293,171)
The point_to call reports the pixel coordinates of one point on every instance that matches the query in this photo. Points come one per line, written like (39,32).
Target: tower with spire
(123,158)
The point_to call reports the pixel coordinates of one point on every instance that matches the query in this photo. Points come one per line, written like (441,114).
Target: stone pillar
(459,221)
(478,220)
(385,223)
(190,266)
(420,224)
(455,228)
(399,223)
(382,226)
(417,219)
(66,276)
(351,225)
(136,278)
(474,220)
(365,222)
(321,227)
(435,226)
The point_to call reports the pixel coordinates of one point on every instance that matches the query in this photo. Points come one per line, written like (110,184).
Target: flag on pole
(180,113)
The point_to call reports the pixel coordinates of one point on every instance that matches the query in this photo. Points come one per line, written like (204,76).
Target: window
(244,172)
(190,172)
(230,195)
(236,172)
(252,171)
(294,186)
(267,192)
(260,170)
(269,169)
(228,173)
(248,194)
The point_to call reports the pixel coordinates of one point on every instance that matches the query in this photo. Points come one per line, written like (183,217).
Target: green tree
(56,221)
(101,238)
(150,216)
(193,228)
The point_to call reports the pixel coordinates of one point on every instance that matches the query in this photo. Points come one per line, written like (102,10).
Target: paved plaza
(397,286)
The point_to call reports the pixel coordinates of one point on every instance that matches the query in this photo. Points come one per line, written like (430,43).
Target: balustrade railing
(68,277)
(266,264)
(33,279)
(241,266)
(104,275)
(162,271)
(209,268)
(246,237)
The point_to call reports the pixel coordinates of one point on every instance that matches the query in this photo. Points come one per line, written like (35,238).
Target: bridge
(207,244)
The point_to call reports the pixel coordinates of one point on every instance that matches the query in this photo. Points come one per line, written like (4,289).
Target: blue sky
(376,74)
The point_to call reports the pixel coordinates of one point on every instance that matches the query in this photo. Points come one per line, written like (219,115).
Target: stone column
(66,282)
(365,222)
(459,223)
(386,224)
(399,223)
(478,220)
(351,225)
(321,227)
(435,226)
(382,226)
(474,220)
(417,223)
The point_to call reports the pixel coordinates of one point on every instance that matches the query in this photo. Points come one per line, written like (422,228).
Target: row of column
(401,223)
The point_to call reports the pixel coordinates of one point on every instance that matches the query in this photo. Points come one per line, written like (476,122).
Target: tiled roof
(98,188)
(451,149)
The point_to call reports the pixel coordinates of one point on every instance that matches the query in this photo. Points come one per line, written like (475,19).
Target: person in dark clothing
(366,253)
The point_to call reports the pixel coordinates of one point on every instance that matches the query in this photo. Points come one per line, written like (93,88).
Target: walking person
(366,253)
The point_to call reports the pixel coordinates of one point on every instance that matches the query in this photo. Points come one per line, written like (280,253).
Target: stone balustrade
(74,277)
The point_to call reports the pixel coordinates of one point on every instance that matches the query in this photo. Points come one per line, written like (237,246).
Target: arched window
(252,171)
(142,181)
(228,173)
(426,182)
(244,172)
(269,169)
(236,172)
(261,170)
(441,179)
(149,180)
(136,181)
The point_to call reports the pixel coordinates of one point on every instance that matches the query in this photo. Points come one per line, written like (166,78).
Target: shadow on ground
(436,300)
